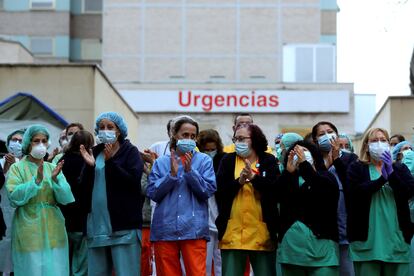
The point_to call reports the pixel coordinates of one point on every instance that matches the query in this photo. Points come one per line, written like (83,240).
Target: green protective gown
(385,241)
(39,240)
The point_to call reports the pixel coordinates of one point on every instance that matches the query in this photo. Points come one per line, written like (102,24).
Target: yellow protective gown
(39,240)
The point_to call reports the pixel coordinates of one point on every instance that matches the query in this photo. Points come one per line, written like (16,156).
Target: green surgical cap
(29,133)
(290,138)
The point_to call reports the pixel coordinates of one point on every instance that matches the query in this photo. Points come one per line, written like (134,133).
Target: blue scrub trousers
(125,259)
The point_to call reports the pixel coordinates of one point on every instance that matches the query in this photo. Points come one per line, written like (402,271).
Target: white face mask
(38,151)
(376,149)
(308,157)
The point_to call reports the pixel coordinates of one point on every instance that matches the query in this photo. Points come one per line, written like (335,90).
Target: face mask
(376,149)
(107,136)
(63,143)
(242,149)
(211,153)
(277,146)
(324,142)
(308,157)
(408,159)
(279,154)
(38,151)
(186,145)
(15,148)
(345,151)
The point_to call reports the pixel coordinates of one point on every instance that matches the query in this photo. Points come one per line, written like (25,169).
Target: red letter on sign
(242,100)
(273,101)
(219,100)
(207,102)
(180,98)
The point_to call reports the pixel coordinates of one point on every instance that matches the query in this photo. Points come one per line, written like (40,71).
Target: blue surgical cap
(289,139)
(29,133)
(116,119)
(351,146)
(397,149)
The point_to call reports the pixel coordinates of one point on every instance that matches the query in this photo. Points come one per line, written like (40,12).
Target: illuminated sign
(255,101)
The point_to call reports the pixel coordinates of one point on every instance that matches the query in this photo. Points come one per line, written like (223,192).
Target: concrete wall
(210,40)
(107,99)
(78,93)
(39,23)
(13,52)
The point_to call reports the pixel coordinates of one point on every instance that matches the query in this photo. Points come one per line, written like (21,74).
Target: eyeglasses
(239,139)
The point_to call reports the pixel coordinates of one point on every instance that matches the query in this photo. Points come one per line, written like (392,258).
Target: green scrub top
(301,247)
(385,241)
(99,228)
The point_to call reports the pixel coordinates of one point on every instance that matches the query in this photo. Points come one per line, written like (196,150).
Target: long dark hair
(81,137)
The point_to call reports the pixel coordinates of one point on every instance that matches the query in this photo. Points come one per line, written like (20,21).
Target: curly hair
(259,141)
(209,136)
(313,149)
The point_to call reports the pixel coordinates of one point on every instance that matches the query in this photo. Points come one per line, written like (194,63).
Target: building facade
(211,59)
(54,30)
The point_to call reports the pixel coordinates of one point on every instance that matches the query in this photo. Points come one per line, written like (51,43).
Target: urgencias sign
(255,101)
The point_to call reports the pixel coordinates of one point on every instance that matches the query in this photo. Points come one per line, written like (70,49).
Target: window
(41,46)
(42,4)
(309,63)
(92,6)
(91,49)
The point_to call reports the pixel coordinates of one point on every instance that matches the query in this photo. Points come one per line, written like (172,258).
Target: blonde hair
(364,153)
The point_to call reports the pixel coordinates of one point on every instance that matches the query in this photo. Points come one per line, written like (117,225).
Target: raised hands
(386,169)
(39,176)
(187,161)
(87,156)
(174,163)
(335,147)
(57,170)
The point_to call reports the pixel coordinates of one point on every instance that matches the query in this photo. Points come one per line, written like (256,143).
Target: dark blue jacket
(361,189)
(123,186)
(314,203)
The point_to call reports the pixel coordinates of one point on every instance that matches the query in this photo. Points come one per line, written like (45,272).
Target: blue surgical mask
(211,153)
(279,154)
(277,146)
(376,149)
(324,141)
(242,149)
(186,145)
(107,136)
(15,148)
(408,159)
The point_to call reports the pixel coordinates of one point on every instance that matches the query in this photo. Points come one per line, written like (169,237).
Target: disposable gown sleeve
(20,191)
(62,191)
(202,181)
(160,182)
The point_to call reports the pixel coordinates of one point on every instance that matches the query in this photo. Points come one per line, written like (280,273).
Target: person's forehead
(17,136)
(39,136)
(243,119)
(324,127)
(187,127)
